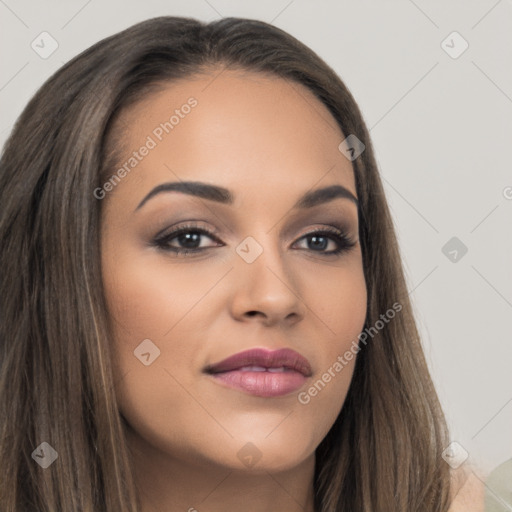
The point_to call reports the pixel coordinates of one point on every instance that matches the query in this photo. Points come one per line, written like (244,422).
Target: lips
(262,372)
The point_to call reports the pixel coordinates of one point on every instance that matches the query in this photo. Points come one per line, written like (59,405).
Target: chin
(264,455)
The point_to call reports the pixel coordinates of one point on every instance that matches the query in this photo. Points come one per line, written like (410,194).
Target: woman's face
(256,277)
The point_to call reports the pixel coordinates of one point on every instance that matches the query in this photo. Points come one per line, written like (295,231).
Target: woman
(203,301)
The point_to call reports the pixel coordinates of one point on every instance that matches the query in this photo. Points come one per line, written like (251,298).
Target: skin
(468,490)
(269,142)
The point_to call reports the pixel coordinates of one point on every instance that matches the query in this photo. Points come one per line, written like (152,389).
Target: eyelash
(343,241)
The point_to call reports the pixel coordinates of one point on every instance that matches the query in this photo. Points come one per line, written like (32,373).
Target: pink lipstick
(262,372)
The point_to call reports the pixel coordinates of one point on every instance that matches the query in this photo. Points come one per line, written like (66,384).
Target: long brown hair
(56,379)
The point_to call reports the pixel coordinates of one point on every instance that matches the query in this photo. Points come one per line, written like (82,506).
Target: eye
(187,240)
(320,238)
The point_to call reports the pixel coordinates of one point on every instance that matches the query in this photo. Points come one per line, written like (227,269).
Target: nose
(266,291)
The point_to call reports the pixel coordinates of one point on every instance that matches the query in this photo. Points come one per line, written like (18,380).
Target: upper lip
(284,357)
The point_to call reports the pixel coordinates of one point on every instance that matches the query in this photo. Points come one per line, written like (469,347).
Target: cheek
(151,306)
(145,298)
(341,307)
(338,300)
(152,299)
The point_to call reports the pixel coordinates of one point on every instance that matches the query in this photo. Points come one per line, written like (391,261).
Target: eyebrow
(224,196)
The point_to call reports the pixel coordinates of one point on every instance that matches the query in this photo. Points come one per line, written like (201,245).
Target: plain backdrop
(441,122)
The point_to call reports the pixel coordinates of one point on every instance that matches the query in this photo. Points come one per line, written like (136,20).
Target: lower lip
(265,384)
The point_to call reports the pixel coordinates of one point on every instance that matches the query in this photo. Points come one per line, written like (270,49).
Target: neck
(181,484)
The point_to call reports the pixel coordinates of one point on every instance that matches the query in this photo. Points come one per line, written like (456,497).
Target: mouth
(261,372)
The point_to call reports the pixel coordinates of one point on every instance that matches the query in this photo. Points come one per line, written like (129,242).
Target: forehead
(238,129)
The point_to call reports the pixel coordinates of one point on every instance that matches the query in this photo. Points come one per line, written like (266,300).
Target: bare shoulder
(468,493)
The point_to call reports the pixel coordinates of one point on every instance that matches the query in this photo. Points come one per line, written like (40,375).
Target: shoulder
(498,494)
(468,494)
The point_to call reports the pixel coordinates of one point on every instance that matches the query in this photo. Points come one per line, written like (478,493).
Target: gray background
(442,130)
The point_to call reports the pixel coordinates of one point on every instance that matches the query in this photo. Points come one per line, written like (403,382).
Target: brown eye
(185,240)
